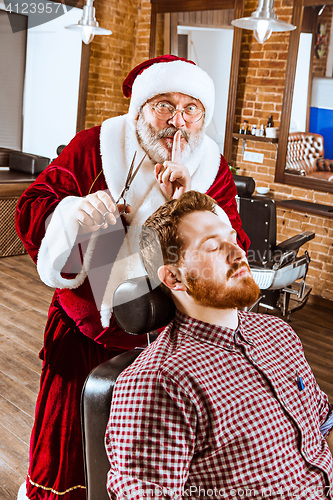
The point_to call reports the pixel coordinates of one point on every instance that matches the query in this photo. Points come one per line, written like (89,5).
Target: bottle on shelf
(244,129)
(254,130)
(262,131)
(270,122)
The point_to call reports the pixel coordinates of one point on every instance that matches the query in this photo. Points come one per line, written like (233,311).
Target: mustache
(234,268)
(171,131)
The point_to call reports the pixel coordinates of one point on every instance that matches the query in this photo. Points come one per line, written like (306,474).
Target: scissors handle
(123,211)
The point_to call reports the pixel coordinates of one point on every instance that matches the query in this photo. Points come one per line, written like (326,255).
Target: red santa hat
(165,74)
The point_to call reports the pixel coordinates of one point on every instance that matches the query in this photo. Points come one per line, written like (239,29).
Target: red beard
(211,293)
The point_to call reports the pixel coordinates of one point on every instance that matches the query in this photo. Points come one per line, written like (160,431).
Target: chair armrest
(295,242)
(324,165)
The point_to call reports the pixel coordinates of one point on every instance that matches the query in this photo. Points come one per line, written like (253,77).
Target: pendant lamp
(263,21)
(87,25)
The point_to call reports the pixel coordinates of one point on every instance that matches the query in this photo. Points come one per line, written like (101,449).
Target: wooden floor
(24,302)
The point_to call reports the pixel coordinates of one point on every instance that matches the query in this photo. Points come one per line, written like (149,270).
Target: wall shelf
(306,206)
(258,138)
(255,138)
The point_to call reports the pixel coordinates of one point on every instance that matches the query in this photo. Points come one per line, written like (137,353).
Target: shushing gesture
(173,177)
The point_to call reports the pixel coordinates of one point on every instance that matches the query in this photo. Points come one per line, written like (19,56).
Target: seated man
(223,404)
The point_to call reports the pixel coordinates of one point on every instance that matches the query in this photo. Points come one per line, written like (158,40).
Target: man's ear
(170,276)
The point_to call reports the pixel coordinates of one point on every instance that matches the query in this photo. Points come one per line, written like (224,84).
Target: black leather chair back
(258,215)
(95,410)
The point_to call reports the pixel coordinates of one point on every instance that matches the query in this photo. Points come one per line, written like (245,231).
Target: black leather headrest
(26,162)
(139,306)
(245,185)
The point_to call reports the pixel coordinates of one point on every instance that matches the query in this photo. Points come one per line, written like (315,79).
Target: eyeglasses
(165,111)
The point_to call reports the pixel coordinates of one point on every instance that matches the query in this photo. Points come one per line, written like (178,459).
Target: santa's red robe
(75,341)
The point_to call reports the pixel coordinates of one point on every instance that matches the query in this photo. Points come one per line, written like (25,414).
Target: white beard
(149,139)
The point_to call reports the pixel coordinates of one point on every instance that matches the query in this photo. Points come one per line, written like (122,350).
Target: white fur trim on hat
(173,76)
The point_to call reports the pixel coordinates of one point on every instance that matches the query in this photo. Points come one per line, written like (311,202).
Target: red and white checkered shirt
(205,412)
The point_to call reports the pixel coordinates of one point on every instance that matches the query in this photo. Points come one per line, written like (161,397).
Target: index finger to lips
(176,151)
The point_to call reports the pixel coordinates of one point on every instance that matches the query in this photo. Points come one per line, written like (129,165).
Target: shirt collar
(206,332)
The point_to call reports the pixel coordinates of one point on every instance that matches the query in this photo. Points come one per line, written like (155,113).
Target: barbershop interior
(63,67)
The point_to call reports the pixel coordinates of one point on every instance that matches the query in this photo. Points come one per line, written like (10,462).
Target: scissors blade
(130,177)
(137,169)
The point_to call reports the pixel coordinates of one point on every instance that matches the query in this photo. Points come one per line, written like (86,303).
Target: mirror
(40,89)
(306,98)
(184,29)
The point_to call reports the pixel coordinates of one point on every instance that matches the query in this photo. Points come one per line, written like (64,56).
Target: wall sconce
(263,21)
(87,25)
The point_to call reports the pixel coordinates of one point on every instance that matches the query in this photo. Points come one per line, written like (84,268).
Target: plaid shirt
(205,412)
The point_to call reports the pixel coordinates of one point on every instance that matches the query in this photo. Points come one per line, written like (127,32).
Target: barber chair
(277,268)
(139,307)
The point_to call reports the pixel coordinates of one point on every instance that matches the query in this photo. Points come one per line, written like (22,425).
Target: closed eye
(210,246)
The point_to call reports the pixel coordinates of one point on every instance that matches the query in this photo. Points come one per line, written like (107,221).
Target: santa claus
(69,221)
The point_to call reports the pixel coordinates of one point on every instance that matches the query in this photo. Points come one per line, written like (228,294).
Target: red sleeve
(71,174)
(63,177)
(223,190)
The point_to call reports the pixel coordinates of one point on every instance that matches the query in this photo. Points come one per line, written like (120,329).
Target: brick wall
(113,56)
(260,94)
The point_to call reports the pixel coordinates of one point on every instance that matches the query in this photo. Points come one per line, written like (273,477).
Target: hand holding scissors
(98,210)
(173,177)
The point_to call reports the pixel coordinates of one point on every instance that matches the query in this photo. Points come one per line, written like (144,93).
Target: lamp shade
(263,21)
(87,25)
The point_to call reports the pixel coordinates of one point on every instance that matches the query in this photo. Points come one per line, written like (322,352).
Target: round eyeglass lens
(190,114)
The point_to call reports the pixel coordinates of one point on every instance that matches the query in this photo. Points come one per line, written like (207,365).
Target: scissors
(130,178)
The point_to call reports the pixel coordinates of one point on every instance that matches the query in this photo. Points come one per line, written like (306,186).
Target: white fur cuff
(57,244)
